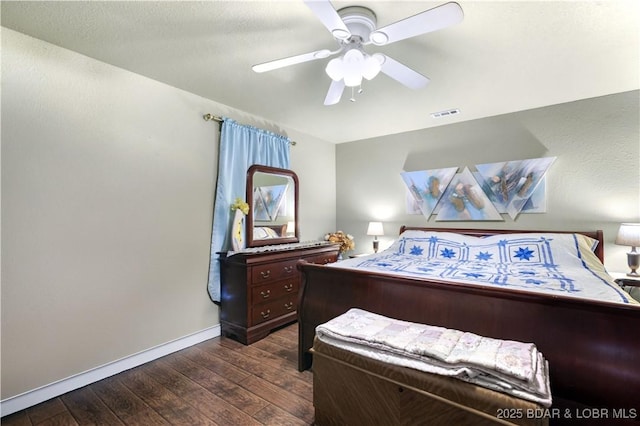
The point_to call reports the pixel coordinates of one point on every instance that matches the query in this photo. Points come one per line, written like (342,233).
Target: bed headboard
(596,235)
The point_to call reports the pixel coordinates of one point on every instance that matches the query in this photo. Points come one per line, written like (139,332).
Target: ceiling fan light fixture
(353,66)
(355,27)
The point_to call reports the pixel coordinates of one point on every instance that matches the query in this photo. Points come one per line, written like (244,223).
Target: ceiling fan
(353,28)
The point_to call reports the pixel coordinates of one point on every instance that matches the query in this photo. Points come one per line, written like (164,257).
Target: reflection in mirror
(272,194)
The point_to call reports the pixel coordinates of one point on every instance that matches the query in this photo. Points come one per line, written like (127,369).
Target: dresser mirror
(272,195)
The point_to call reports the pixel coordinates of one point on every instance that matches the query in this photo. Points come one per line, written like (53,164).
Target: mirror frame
(256,168)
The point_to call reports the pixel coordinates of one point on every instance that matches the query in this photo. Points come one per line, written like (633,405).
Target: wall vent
(446,113)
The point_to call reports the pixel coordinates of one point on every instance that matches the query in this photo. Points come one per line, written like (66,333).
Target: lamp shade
(629,235)
(375,228)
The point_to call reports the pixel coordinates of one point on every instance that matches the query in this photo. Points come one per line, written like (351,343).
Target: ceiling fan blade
(292,60)
(401,73)
(430,20)
(335,92)
(324,11)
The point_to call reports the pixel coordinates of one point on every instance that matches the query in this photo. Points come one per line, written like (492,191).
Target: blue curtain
(241,147)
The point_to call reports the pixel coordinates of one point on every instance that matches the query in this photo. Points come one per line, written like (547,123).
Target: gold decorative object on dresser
(259,289)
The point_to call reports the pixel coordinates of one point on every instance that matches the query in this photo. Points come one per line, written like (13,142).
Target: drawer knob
(289,306)
(265,274)
(288,269)
(266,314)
(288,287)
(265,294)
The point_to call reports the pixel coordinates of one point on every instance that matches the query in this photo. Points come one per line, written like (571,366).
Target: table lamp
(375,229)
(629,235)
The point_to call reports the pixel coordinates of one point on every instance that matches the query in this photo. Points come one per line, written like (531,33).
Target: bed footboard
(592,347)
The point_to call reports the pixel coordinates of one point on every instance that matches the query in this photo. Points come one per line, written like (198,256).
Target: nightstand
(625,280)
(629,284)
(352,256)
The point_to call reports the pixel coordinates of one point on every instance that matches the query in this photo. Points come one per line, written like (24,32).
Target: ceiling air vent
(446,113)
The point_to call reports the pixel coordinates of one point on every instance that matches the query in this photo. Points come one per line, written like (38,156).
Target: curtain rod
(211,117)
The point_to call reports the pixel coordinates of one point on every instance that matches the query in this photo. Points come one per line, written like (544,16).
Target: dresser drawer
(322,259)
(270,310)
(268,292)
(269,272)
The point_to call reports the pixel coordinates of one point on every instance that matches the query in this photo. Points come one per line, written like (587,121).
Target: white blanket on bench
(506,366)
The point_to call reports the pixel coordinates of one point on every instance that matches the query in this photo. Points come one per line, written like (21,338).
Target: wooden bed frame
(592,347)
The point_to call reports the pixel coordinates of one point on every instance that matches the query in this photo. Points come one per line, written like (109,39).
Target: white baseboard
(52,390)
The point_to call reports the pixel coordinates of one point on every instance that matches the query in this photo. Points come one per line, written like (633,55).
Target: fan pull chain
(353,96)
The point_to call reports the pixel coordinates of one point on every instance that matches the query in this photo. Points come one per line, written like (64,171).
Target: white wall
(107,196)
(593,184)
(314,161)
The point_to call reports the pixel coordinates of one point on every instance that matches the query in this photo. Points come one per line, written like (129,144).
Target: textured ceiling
(505,56)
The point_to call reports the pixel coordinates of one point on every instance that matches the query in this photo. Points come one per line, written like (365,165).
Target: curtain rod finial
(210,117)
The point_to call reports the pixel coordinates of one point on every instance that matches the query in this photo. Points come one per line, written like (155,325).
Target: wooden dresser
(259,290)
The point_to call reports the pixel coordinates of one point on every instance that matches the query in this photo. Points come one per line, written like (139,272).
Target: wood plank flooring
(217,382)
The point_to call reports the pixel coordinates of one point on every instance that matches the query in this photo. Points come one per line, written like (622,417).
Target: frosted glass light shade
(353,57)
(353,62)
(352,79)
(371,67)
(335,69)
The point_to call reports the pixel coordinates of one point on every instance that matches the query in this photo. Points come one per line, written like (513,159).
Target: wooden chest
(351,389)
(259,291)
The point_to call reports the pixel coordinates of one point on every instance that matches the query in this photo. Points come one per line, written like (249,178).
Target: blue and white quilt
(558,264)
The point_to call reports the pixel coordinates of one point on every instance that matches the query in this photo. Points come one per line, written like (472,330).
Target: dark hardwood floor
(217,382)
